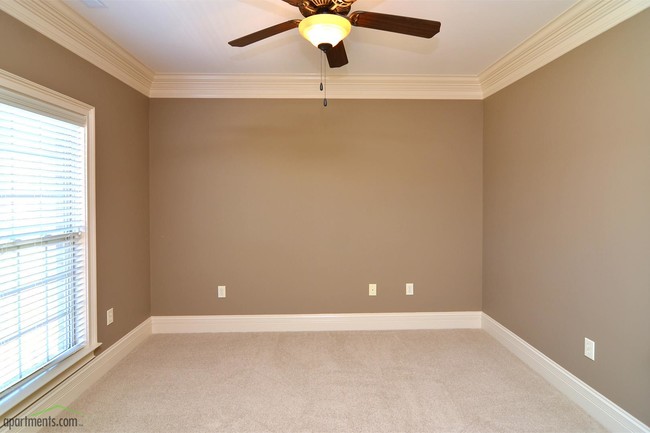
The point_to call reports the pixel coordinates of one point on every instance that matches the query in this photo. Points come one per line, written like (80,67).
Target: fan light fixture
(324,30)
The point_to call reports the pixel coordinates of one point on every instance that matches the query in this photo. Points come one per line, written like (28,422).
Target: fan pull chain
(323,78)
(321,71)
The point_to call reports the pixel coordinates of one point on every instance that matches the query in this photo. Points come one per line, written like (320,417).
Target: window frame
(51,103)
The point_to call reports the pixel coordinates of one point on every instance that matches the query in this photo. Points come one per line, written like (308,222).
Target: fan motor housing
(312,7)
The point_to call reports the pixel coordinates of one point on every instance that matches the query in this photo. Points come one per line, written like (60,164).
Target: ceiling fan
(328,22)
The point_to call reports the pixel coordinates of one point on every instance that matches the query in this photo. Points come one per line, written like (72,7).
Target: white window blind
(43,284)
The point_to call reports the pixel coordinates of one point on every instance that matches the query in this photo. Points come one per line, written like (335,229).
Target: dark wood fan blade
(295,3)
(336,56)
(396,24)
(265,33)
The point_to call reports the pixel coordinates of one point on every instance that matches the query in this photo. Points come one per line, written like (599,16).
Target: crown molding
(580,23)
(307,86)
(64,26)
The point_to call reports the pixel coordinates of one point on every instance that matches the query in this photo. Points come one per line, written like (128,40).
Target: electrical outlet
(409,289)
(221,292)
(590,349)
(372,290)
(109,316)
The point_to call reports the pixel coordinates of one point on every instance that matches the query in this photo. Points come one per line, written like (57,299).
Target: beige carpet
(403,381)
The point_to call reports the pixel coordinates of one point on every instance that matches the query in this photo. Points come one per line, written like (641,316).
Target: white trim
(603,410)
(580,23)
(595,404)
(50,102)
(60,23)
(306,86)
(71,388)
(36,91)
(91,227)
(585,20)
(315,322)
(44,382)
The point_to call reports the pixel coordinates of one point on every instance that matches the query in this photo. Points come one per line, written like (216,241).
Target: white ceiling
(191,36)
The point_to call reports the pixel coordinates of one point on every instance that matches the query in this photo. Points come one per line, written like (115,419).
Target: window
(47,284)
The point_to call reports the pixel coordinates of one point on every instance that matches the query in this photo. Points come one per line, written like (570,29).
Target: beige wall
(296,208)
(567,211)
(122,168)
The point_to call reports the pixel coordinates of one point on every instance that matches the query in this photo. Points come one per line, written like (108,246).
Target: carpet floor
(394,381)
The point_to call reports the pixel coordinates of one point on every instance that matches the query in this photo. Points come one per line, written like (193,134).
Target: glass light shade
(324,29)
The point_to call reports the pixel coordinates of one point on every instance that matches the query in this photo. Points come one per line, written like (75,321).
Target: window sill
(22,397)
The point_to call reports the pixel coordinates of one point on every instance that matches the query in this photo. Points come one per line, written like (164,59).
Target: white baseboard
(315,322)
(72,387)
(595,404)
